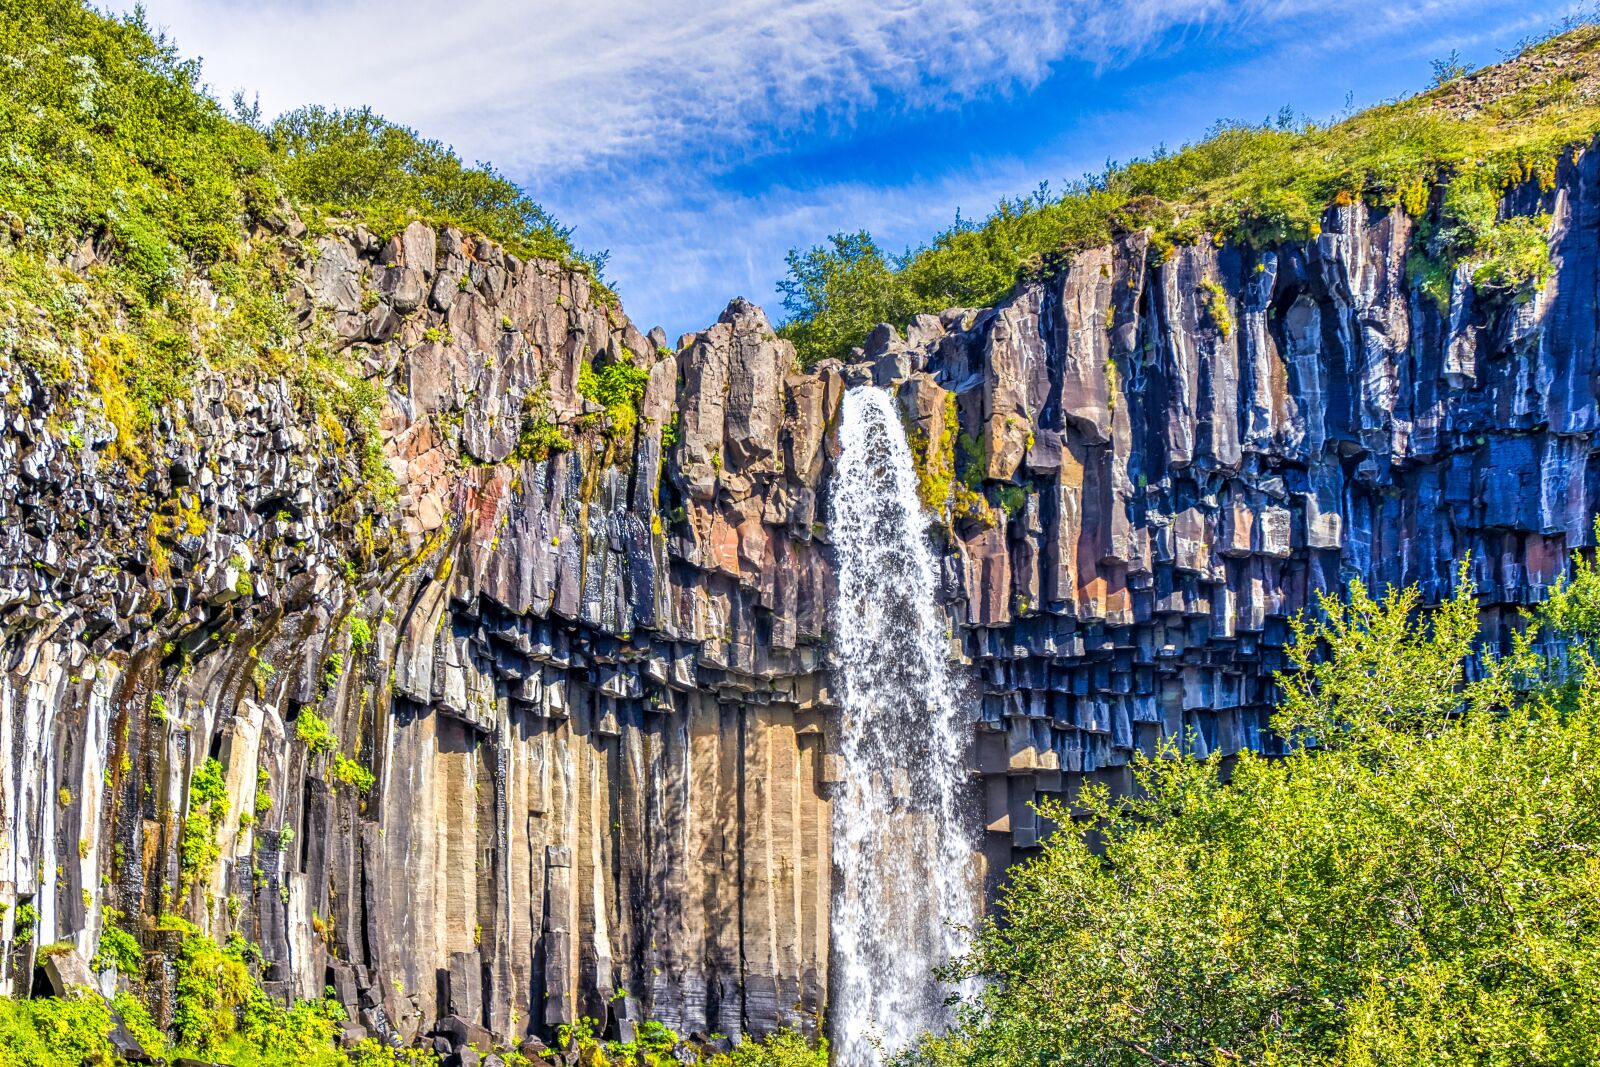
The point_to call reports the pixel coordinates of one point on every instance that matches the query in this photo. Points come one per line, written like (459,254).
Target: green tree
(1413,883)
(834,294)
(356,159)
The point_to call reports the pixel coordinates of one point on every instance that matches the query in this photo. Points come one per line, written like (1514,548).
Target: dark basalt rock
(591,686)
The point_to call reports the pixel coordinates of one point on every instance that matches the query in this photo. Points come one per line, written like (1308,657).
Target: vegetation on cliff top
(128,200)
(1420,888)
(1256,184)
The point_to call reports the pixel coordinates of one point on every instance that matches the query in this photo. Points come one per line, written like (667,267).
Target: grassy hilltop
(1444,155)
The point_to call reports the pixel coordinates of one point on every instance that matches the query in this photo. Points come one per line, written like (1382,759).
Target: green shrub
(371,1052)
(313,731)
(22,927)
(782,1049)
(1013,498)
(360,635)
(540,435)
(1416,888)
(834,294)
(212,983)
(208,807)
(136,1017)
(1216,305)
(618,387)
(352,773)
(118,948)
(51,1032)
(332,669)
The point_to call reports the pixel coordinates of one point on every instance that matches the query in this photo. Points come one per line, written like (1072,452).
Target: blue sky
(699,140)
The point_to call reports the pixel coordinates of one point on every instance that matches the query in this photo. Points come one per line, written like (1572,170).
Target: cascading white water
(907,871)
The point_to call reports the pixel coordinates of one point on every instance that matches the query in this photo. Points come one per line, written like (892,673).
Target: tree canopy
(1418,881)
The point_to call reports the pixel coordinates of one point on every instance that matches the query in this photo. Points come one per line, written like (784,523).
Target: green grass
(1257,184)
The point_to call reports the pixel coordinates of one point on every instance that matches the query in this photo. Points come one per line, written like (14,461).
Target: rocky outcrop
(590,684)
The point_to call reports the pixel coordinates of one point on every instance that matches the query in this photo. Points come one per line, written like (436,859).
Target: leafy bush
(360,635)
(51,1031)
(22,928)
(357,160)
(782,1049)
(118,948)
(208,807)
(313,731)
(1417,887)
(352,773)
(834,295)
(617,386)
(110,131)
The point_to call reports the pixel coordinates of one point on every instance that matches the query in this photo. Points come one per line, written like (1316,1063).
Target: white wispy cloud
(626,115)
(558,84)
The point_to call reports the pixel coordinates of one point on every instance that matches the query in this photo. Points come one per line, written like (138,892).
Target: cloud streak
(559,84)
(630,117)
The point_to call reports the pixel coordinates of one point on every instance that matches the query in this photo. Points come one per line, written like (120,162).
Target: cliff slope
(516,686)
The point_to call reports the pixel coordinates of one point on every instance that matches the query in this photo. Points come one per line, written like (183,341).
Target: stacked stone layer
(592,687)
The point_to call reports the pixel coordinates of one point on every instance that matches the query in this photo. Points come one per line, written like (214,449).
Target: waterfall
(905,862)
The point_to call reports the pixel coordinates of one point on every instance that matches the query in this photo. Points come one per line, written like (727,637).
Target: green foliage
(1013,498)
(208,807)
(314,732)
(136,1017)
(221,1011)
(212,983)
(1257,184)
(262,675)
(352,773)
(118,948)
(617,386)
(22,927)
(582,1032)
(360,635)
(540,435)
(782,1049)
(1517,253)
(1216,305)
(650,1048)
(935,461)
(834,295)
(1417,887)
(371,1052)
(51,1032)
(332,669)
(110,130)
(357,160)
(1449,69)
(654,1044)
(263,802)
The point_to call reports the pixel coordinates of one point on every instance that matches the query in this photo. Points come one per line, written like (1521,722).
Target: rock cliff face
(591,685)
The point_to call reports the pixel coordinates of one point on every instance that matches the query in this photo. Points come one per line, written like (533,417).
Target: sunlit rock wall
(591,687)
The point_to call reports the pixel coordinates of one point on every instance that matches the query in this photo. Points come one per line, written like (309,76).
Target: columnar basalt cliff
(583,652)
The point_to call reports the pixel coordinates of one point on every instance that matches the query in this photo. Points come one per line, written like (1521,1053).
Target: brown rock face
(590,684)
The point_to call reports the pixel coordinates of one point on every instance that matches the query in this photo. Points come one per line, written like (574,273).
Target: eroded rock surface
(591,685)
